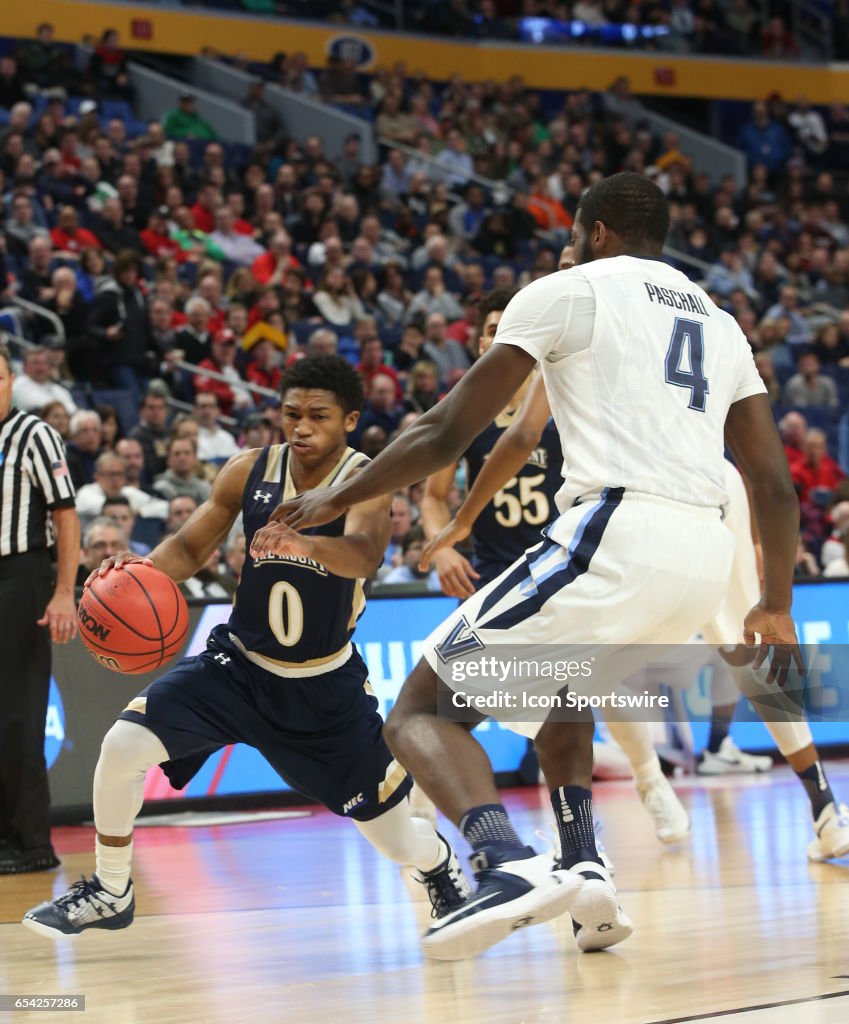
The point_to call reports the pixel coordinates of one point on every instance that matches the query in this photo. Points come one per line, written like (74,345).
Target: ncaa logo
(54,726)
(355,49)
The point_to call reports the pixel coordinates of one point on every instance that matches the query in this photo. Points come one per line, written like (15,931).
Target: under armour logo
(224,659)
(606,927)
(263,496)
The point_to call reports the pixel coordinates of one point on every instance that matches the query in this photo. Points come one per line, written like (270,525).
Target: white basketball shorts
(611,576)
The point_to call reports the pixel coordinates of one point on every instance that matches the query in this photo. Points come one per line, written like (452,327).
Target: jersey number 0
(285,614)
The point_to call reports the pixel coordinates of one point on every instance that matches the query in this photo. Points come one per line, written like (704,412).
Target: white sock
(648,772)
(112,866)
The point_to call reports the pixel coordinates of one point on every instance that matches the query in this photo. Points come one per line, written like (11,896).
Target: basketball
(133,619)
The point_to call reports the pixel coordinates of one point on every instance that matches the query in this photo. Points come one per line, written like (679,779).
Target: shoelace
(442,890)
(78,893)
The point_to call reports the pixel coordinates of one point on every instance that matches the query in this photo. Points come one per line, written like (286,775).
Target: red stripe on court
(219,771)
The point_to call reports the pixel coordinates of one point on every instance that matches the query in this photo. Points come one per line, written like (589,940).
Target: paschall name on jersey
(304,563)
(686,301)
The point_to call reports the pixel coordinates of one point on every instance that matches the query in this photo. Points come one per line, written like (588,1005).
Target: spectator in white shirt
(455,163)
(33,389)
(336,299)
(237,248)
(215,444)
(110,480)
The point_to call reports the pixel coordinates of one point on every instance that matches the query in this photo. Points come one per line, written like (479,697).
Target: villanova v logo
(460,641)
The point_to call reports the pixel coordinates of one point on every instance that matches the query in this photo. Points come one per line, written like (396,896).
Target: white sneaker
(597,919)
(832,834)
(731,760)
(85,905)
(511,894)
(671,821)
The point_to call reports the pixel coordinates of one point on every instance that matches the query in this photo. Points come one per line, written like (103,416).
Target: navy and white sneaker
(447,886)
(511,894)
(85,905)
(597,919)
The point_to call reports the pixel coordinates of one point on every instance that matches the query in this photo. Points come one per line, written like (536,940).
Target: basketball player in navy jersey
(282,675)
(511,521)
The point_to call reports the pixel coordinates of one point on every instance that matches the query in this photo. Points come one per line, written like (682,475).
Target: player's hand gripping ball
(133,619)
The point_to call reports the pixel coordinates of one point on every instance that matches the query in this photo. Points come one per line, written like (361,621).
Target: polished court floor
(299,920)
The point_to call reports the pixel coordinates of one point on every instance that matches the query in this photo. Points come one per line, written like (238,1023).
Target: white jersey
(640,368)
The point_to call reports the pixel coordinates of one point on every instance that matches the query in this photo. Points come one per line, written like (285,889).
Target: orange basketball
(133,619)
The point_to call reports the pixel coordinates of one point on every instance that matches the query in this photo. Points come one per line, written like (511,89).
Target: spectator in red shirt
(267,346)
(466,330)
(777,41)
(792,428)
(203,212)
(236,202)
(371,363)
(68,150)
(272,266)
(549,213)
(230,394)
(267,302)
(816,470)
(209,288)
(68,238)
(157,241)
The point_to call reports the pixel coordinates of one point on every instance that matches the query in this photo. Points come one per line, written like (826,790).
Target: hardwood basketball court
(300,920)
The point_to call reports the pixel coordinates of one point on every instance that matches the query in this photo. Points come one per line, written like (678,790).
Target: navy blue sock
(719,729)
(816,786)
(488,826)
(573,810)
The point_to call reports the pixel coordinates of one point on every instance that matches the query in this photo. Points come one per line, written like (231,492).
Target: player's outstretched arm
(456,575)
(504,462)
(751,434)
(357,554)
(434,441)
(182,554)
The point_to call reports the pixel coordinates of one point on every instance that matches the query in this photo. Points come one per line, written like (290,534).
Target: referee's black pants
(26,585)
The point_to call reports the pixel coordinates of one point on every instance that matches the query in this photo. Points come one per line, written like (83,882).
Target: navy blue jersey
(511,523)
(291,616)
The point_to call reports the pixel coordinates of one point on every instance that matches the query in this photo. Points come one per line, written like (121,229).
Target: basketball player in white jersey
(509,454)
(792,736)
(645,377)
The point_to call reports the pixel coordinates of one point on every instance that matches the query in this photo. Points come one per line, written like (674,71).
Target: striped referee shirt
(34,479)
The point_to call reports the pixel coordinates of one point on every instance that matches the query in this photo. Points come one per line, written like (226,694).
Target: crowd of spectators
(158,251)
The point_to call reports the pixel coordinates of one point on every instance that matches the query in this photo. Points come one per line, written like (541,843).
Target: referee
(36,507)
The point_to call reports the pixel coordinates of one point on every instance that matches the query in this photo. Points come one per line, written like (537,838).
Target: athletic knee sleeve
(127,751)
(403,839)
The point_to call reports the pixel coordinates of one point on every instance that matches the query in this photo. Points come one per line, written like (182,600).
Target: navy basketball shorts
(322,735)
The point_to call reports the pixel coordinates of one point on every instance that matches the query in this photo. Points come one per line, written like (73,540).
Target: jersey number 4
(688,336)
